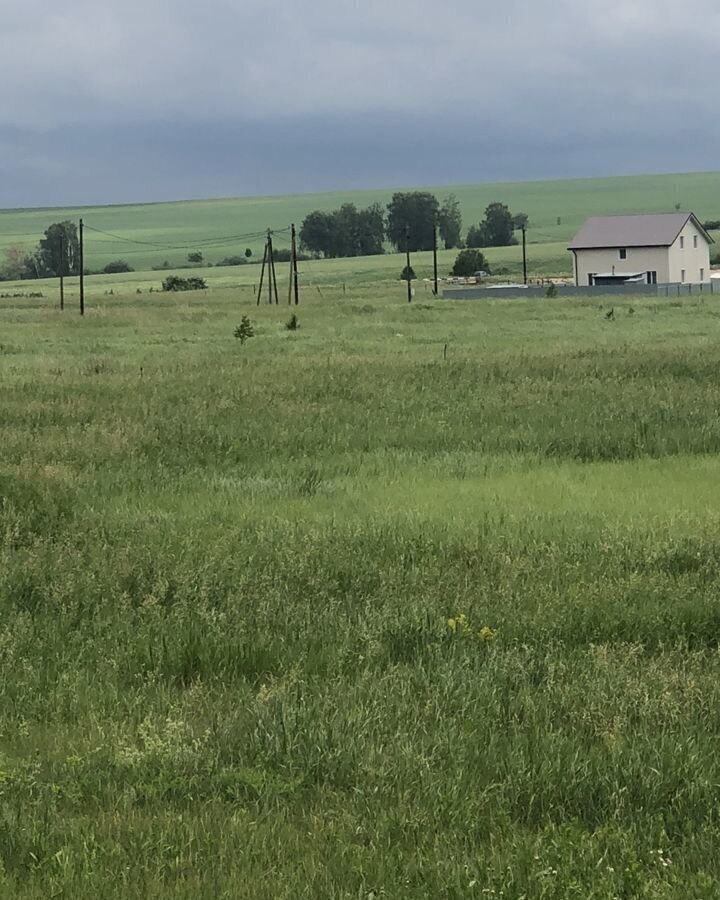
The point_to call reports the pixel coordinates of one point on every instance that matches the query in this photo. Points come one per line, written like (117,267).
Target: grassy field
(412,602)
(170,230)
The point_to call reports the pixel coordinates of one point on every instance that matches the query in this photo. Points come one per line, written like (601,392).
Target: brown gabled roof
(653,230)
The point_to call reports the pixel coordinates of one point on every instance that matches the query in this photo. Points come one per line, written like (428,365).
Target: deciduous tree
(412,213)
(450,222)
(499,225)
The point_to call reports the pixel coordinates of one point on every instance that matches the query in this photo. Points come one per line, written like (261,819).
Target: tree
(412,213)
(371,230)
(499,225)
(195,257)
(450,222)
(347,231)
(16,263)
(468,262)
(316,232)
(244,330)
(345,235)
(248,253)
(477,236)
(58,251)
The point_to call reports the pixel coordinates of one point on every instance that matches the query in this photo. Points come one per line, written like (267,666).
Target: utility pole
(62,271)
(435,271)
(262,274)
(82,269)
(524,246)
(407,267)
(272,283)
(294,273)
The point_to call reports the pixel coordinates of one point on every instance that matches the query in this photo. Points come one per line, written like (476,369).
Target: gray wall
(539,292)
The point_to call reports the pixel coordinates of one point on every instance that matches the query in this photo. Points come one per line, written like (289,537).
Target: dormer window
(622,253)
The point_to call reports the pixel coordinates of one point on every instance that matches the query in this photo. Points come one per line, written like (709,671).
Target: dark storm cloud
(136,100)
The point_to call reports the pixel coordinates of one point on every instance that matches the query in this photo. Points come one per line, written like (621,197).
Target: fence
(537,292)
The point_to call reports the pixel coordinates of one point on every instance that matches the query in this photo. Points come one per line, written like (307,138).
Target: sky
(115,102)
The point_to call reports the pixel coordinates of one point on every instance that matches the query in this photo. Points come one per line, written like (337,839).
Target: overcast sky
(110,101)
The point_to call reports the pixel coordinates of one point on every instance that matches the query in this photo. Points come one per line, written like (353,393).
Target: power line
(207,242)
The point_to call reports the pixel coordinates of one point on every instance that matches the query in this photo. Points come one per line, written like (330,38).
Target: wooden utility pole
(262,275)
(272,276)
(435,269)
(294,265)
(524,246)
(407,267)
(62,271)
(82,269)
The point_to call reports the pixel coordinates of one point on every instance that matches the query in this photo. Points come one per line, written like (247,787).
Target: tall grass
(227,576)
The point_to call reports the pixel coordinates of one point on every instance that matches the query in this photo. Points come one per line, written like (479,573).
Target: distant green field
(170,230)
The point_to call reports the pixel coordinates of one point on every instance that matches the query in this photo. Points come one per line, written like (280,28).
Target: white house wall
(695,261)
(639,259)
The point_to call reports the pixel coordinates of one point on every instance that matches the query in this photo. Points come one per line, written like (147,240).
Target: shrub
(293,323)
(712,225)
(551,291)
(244,330)
(285,255)
(195,257)
(233,261)
(468,262)
(176,283)
(119,265)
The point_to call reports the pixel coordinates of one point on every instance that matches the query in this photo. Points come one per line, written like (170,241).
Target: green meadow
(166,232)
(415,601)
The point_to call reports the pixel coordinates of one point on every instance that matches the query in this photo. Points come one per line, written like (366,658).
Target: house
(661,248)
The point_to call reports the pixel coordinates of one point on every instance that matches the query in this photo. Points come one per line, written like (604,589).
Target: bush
(176,283)
(284,255)
(468,262)
(245,330)
(293,323)
(195,257)
(119,265)
(233,261)
(712,225)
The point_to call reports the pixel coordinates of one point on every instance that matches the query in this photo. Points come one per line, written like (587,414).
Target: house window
(702,275)
(622,253)
(682,275)
(682,243)
(695,241)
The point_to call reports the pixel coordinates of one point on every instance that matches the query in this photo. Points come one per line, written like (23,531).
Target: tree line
(407,222)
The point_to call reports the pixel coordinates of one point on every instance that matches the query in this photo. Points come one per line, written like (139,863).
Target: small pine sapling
(245,330)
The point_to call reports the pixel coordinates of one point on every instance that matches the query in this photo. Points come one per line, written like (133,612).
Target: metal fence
(537,292)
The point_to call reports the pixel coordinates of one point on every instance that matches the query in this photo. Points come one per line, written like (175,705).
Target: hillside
(149,234)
